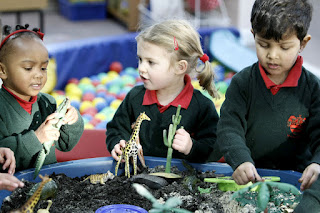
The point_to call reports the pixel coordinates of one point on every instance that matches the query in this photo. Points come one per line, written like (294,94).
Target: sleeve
(232,125)
(310,199)
(25,145)
(119,128)
(204,139)
(70,135)
(313,126)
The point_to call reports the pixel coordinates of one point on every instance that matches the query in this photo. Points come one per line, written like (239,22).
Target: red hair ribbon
(204,58)
(176,47)
(39,33)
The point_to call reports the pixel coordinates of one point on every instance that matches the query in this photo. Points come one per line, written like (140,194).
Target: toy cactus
(169,139)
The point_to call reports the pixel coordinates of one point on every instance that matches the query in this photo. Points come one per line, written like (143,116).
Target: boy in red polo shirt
(271,115)
(167,53)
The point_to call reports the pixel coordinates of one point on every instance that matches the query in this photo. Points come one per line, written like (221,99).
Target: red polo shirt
(183,99)
(291,80)
(27,105)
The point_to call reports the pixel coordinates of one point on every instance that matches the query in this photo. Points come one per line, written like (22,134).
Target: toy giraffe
(33,200)
(133,147)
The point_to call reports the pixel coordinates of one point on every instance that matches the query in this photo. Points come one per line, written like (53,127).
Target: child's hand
(116,152)
(71,116)
(245,173)
(7,159)
(46,131)
(182,141)
(9,182)
(309,175)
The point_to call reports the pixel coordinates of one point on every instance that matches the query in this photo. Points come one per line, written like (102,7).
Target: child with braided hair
(26,114)
(168,52)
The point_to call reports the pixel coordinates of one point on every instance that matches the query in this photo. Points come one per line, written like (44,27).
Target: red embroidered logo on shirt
(296,125)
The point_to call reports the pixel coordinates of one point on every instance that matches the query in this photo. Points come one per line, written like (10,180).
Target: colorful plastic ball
(95,83)
(121,96)
(101,75)
(86,118)
(75,104)
(219,71)
(85,80)
(101,105)
(196,85)
(86,87)
(85,105)
(73,90)
(101,94)
(222,86)
(115,104)
(114,89)
(102,125)
(89,96)
(60,92)
(88,126)
(91,111)
(59,99)
(116,66)
(128,80)
(73,80)
(116,81)
(98,100)
(132,72)
(101,116)
(95,121)
(109,98)
(113,74)
(100,88)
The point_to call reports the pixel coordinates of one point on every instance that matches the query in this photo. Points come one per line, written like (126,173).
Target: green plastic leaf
(172,202)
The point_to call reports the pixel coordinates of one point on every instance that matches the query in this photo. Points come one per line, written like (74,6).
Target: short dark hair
(7,46)
(273,19)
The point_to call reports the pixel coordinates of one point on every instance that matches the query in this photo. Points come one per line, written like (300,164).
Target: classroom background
(93,51)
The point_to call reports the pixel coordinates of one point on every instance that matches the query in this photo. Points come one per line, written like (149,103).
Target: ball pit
(98,97)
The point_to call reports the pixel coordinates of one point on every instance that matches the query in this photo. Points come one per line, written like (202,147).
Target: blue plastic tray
(79,168)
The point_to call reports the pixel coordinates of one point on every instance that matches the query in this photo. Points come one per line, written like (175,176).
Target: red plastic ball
(73,80)
(116,66)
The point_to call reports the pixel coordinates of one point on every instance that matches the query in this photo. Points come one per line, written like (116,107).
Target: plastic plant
(168,206)
(61,112)
(169,139)
(264,190)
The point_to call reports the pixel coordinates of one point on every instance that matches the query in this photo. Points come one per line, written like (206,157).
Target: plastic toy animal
(100,178)
(264,189)
(133,148)
(33,200)
(47,209)
(61,110)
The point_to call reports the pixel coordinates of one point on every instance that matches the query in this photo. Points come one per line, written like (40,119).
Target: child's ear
(304,42)
(182,67)
(3,72)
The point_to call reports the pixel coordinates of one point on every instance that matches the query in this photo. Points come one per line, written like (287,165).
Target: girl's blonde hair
(181,39)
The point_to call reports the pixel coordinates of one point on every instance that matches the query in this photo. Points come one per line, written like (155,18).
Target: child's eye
(44,68)
(285,48)
(151,62)
(28,68)
(263,45)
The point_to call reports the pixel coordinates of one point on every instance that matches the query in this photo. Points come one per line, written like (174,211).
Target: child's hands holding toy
(245,173)
(309,175)
(9,182)
(7,160)
(182,141)
(71,116)
(116,151)
(46,131)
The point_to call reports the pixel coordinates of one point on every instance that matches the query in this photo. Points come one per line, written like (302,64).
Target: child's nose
(272,53)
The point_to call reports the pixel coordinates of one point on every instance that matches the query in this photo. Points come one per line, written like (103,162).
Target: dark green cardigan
(17,128)
(310,202)
(200,120)
(279,131)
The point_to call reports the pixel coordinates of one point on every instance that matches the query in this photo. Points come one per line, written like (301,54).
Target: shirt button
(37,122)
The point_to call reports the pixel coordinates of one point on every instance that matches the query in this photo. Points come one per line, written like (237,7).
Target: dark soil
(75,196)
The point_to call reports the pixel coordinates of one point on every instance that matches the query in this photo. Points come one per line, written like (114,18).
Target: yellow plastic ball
(100,116)
(85,80)
(97,100)
(88,126)
(115,104)
(85,105)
